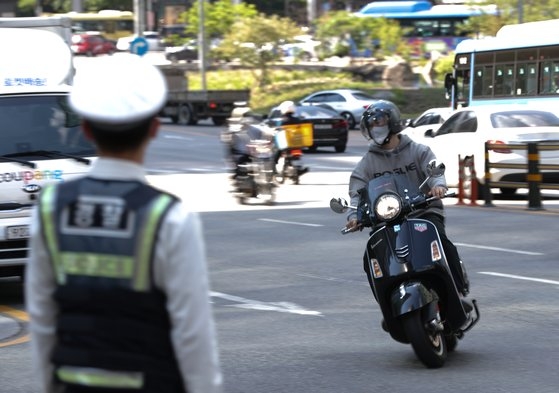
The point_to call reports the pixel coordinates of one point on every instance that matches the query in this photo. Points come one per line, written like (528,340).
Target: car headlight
(388,206)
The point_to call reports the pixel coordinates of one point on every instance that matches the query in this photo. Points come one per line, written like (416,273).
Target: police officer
(117,283)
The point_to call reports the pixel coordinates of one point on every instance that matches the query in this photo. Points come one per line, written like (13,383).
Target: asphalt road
(293,309)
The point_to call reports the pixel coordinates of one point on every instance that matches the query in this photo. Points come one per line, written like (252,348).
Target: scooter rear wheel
(429,346)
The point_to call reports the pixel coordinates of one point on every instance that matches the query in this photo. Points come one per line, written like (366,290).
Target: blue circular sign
(139,46)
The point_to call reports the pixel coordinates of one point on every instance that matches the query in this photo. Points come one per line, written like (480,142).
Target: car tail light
(502,151)
(341,124)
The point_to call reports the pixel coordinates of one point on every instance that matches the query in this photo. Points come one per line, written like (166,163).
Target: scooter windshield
(390,183)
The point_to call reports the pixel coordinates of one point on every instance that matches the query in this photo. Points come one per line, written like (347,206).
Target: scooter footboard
(410,296)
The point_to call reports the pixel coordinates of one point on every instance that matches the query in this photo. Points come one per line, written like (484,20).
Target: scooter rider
(390,152)
(287,110)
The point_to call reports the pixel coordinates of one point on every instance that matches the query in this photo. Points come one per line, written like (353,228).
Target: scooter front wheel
(429,344)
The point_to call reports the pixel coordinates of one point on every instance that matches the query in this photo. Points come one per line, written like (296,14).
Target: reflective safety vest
(113,329)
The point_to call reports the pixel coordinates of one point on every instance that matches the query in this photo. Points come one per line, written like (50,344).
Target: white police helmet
(118,90)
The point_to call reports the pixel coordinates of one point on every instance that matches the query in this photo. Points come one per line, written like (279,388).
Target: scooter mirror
(338,205)
(434,170)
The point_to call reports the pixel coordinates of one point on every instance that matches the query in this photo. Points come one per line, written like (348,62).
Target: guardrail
(534,176)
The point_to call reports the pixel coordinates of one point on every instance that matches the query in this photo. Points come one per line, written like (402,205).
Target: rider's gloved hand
(438,191)
(353,225)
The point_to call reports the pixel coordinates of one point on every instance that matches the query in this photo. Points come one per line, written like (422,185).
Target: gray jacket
(408,159)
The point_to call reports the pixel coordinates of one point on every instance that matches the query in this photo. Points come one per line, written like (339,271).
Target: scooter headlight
(388,206)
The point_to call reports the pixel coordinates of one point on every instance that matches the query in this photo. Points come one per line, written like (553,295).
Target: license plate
(17,232)
(322,126)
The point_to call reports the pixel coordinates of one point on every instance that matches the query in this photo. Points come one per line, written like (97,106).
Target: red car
(92,45)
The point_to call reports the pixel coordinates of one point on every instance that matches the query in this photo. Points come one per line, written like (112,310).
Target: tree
(219,17)
(378,36)
(509,13)
(255,42)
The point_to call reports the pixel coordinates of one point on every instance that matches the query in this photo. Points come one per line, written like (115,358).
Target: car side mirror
(429,133)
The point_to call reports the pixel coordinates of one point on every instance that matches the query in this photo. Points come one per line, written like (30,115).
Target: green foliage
(219,16)
(376,36)
(26,7)
(532,11)
(444,65)
(294,85)
(255,42)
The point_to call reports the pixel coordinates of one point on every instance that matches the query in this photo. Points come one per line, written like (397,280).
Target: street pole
(202,43)
(77,5)
(139,17)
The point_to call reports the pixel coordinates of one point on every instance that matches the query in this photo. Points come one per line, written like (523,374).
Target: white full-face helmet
(287,107)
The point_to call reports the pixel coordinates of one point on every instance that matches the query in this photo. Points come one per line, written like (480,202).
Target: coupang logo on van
(28,176)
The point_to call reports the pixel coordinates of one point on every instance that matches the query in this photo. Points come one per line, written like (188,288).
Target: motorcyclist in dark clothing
(391,152)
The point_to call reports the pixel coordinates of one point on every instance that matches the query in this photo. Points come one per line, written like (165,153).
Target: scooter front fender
(410,296)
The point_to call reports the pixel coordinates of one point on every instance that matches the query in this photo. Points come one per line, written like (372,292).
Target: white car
(347,102)
(465,132)
(431,119)
(152,37)
(303,47)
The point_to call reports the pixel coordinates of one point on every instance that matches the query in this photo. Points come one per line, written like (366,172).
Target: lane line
(19,340)
(18,315)
(542,280)
(286,307)
(14,313)
(499,249)
(290,222)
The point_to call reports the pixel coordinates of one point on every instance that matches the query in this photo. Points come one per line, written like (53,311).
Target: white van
(40,137)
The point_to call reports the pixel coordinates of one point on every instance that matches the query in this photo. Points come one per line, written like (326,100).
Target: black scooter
(408,271)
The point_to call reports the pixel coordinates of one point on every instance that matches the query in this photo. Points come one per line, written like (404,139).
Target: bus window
(549,78)
(504,79)
(483,81)
(525,79)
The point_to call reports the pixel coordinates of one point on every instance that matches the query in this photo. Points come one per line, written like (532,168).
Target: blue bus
(428,27)
(519,65)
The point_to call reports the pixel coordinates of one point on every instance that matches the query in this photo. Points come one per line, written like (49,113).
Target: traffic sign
(139,46)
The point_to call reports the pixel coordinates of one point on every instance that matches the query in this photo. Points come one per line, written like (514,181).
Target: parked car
(329,127)
(187,52)
(431,119)
(465,132)
(152,37)
(92,44)
(349,103)
(303,48)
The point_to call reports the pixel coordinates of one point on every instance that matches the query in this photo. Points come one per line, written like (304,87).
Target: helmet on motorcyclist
(379,121)
(287,107)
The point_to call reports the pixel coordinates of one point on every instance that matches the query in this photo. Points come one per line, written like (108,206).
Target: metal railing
(534,171)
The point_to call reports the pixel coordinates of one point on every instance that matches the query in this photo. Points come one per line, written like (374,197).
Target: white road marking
(499,249)
(286,307)
(290,222)
(542,280)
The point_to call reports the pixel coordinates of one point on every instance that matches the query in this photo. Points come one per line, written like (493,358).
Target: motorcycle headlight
(388,206)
